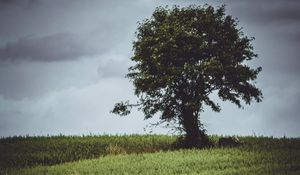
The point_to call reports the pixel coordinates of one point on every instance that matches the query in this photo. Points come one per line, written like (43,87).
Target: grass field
(18,152)
(146,155)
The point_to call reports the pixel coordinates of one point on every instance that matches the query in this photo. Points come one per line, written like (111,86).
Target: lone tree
(182,56)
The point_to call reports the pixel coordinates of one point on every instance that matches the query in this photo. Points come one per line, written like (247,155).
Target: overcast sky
(62,67)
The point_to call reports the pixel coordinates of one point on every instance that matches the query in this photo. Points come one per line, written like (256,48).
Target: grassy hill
(147,154)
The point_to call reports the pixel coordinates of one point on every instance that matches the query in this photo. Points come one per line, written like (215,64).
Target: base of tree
(193,142)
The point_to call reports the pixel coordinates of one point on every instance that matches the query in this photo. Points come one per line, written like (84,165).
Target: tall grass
(273,157)
(259,153)
(18,152)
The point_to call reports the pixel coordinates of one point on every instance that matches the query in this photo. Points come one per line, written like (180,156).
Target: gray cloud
(58,30)
(275,25)
(35,79)
(61,46)
(17,2)
(281,19)
(114,68)
(269,12)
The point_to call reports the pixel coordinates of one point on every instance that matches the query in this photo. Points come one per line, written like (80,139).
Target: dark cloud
(61,46)
(275,25)
(6,2)
(17,2)
(266,12)
(281,19)
(60,30)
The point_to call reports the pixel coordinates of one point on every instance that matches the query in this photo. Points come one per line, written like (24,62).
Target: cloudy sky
(62,67)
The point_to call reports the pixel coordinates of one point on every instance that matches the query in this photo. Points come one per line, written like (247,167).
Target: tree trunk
(195,137)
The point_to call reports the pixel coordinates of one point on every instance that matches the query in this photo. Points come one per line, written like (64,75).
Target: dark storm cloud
(268,12)
(275,24)
(61,46)
(7,2)
(52,31)
(17,2)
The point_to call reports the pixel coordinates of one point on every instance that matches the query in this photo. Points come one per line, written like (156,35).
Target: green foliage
(259,155)
(182,56)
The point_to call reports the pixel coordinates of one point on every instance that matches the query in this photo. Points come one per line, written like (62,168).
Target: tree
(182,56)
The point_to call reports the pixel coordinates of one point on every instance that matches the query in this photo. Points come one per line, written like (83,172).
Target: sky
(62,67)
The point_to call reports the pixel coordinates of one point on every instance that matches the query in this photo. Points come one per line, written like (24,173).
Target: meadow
(145,154)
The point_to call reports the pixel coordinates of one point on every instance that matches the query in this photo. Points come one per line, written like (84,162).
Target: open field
(258,155)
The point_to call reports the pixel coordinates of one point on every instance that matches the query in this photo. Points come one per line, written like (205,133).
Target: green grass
(258,155)
(18,152)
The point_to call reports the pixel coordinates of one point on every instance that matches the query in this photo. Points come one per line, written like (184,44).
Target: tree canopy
(182,55)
